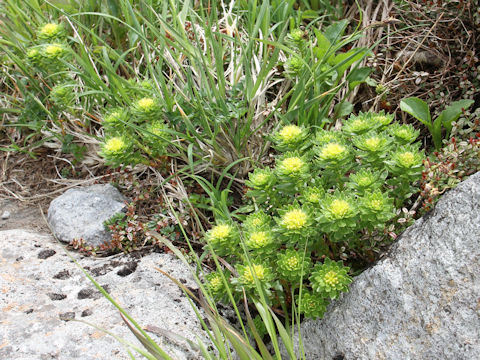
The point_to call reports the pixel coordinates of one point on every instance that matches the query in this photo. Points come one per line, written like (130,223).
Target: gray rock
(41,300)
(5,215)
(79,213)
(422,301)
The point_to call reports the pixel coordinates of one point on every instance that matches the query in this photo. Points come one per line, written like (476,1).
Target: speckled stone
(421,301)
(41,296)
(79,213)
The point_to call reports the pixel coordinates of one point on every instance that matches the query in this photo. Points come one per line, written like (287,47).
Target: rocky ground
(44,295)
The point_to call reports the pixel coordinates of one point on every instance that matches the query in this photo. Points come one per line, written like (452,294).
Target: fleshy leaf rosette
(330,278)
(312,305)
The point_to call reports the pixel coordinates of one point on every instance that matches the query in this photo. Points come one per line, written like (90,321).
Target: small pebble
(86,312)
(67,316)
(5,215)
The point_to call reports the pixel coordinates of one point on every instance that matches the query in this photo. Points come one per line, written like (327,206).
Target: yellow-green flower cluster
(381,120)
(292,165)
(34,55)
(51,31)
(338,207)
(248,274)
(297,35)
(312,195)
(260,179)
(115,120)
(404,134)
(333,155)
(292,265)
(338,215)
(116,150)
(261,240)
(405,160)
(323,137)
(357,125)
(294,218)
(290,137)
(366,179)
(372,143)
(313,306)
(115,146)
(146,108)
(216,284)
(54,51)
(294,65)
(376,208)
(330,278)
(257,221)
(223,238)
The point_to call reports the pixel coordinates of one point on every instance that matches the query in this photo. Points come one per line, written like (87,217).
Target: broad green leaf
(418,109)
(335,31)
(323,45)
(342,109)
(453,112)
(358,76)
(345,60)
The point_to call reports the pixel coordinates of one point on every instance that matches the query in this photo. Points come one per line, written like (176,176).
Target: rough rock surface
(422,301)
(79,213)
(42,289)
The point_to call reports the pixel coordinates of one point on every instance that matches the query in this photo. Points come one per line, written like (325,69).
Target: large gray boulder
(422,301)
(42,290)
(79,213)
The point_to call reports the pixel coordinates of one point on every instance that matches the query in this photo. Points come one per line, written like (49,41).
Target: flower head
(339,208)
(366,179)
(372,142)
(115,146)
(146,104)
(62,94)
(330,278)
(381,120)
(357,125)
(257,221)
(220,232)
(311,305)
(291,165)
(260,178)
(294,65)
(407,157)
(292,265)
(115,119)
(289,137)
(34,55)
(247,274)
(312,195)
(54,51)
(297,35)
(405,134)
(294,219)
(338,215)
(323,137)
(223,238)
(146,108)
(333,155)
(259,240)
(50,31)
